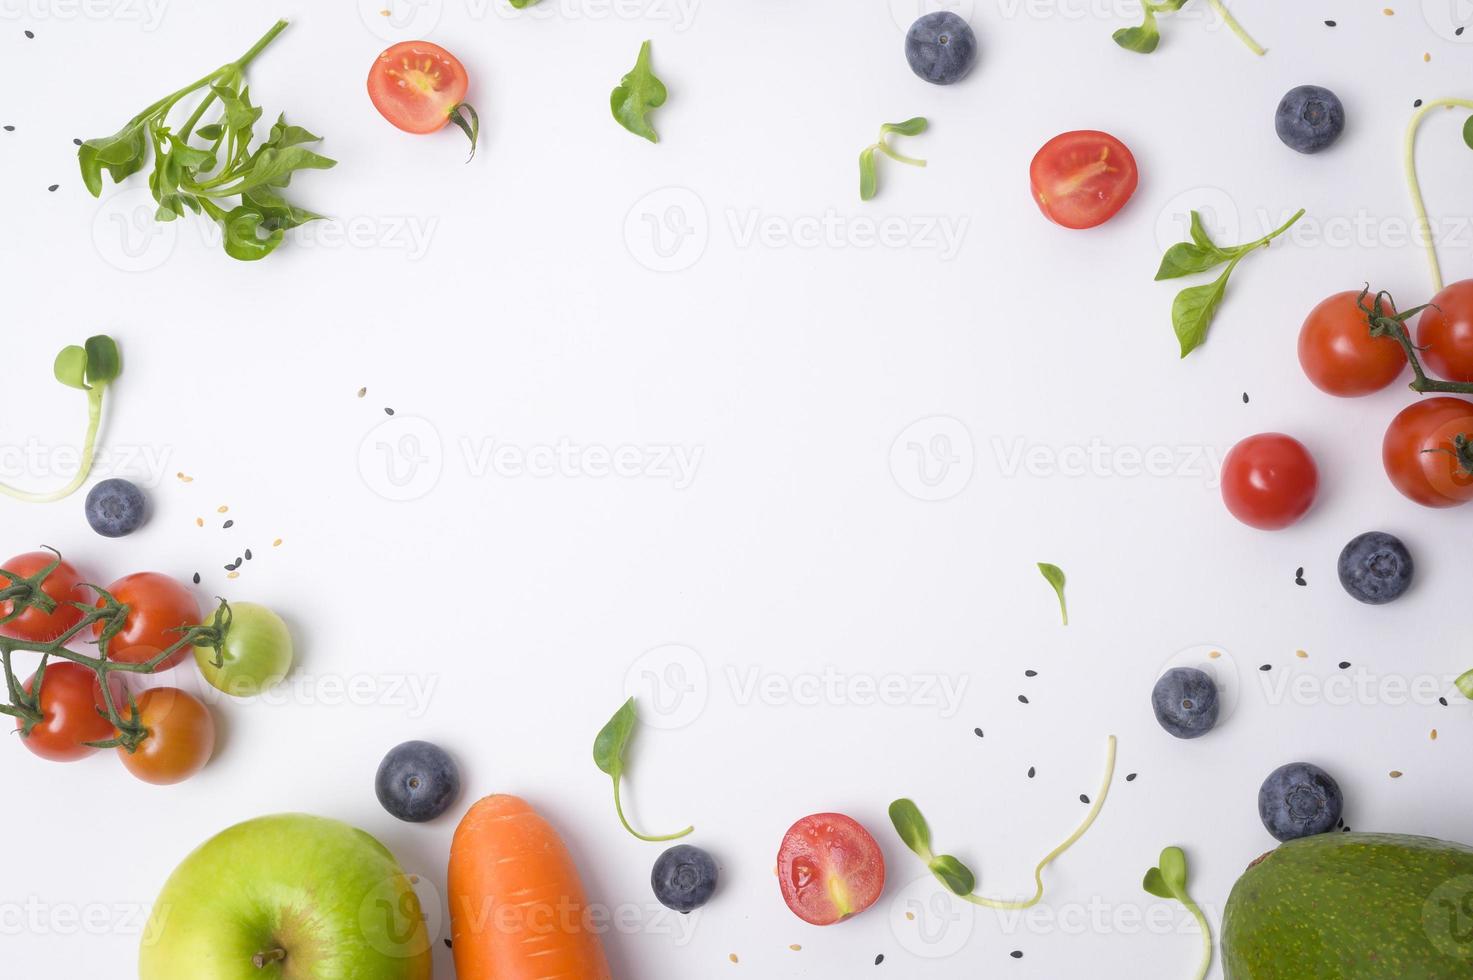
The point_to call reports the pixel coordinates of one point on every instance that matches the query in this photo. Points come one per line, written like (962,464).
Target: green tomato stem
(1409,160)
(619,807)
(1236,28)
(89,451)
(1094,811)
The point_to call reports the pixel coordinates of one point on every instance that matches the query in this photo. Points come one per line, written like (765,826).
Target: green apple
(254,656)
(289,897)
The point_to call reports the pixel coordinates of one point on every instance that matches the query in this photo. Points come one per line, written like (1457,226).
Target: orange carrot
(517,910)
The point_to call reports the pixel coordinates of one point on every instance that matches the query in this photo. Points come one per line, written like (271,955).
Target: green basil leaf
(911,827)
(1154,884)
(71,367)
(1465,684)
(1468,132)
(1193,309)
(1142,39)
(121,155)
(274,168)
(191,157)
(957,877)
(1199,232)
(911,127)
(243,240)
(613,738)
(240,115)
(211,132)
(1054,575)
(103,361)
(637,93)
(868,179)
(279,212)
(1189,258)
(1174,870)
(283,135)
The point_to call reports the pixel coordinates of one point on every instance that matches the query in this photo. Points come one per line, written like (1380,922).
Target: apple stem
(261,960)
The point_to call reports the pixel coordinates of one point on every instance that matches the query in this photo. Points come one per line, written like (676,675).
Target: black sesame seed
(53,187)
(248,554)
(879,959)
(76,142)
(1459,32)
(388,411)
(1442,701)
(196,578)
(1032,772)
(1130,778)
(1030,673)
(977,732)
(1417,104)
(10,129)
(1083,798)
(228,524)
(1023,698)
(1345,665)
(1267,667)
(1245,398)
(30,34)
(1016,954)
(447,944)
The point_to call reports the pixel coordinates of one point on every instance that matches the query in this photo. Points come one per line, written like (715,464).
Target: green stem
(619,807)
(1409,161)
(1236,28)
(1206,937)
(1383,324)
(1277,231)
(1094,811)
(885,148)
(89,450)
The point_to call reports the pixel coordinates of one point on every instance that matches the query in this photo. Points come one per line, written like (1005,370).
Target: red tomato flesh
(1081,179)
(415,85)
(1269,481)
(829,868)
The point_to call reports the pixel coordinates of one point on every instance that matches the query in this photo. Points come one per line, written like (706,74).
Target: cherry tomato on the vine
(158,607)
(1339,354)
(181,737)
(1269,481)
(73,712)
(1081,179)
(1418,452)
(254,656)
(1445,333)
(63,585)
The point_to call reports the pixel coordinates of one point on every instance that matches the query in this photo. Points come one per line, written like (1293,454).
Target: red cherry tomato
(63,585)
(416,85)
(73,712)
(158,606)
(1269,481)
(1445,333)
(181,737)
(1418,452)
(1339,354)
(829,868)
(1081,179)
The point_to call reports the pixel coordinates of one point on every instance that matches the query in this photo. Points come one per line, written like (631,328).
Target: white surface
(522,317)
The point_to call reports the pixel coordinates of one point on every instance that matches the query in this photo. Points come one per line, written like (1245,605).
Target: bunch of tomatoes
(250,649)
(1270,481)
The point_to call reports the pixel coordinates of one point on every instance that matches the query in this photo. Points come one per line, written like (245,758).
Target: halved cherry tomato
(1081,179)
(1445,333)
(1339,354)
(181,737)
(73,712)
(1269,481)
(419,87)
(829,868)
(158,607)
(1418,452)
(63,585)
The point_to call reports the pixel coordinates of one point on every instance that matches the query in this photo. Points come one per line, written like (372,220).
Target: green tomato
(254,656)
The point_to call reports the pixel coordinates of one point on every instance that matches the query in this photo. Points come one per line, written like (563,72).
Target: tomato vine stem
(1391,325)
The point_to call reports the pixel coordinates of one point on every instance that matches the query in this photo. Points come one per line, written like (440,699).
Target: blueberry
(1299,800)
(684,878)
(115,508)
(1185,702)
(1309,118)
(1376,567)
(941,47)
(417,781)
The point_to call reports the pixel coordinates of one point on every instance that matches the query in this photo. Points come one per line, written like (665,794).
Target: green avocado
(1353,907)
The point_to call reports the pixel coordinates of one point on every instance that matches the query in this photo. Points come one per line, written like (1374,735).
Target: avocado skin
(1342,906)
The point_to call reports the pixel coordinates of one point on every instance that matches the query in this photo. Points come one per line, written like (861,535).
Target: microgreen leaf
(88,367)
(1468,132)
(636,94)
(957,877)
(911,127)
(520,4)
(1054,575)
(912,828)
(71,367)
(868,179)
(868,173)
(608,754)
(1142,39)
(1173,867)
(1155,884)
(103,362)
(1465,684)
(1169,880)
(1145,37)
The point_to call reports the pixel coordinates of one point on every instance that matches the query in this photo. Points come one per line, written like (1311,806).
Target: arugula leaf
(1168,880)
(637,93)
(608,754)
(1054,575)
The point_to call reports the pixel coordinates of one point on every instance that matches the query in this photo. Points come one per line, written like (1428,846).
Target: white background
(527,314)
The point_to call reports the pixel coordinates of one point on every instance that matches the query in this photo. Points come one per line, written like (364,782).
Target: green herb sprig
(639,92)
(1147,36)
(608,755)
(869,183)
(212,169)
(1169,880)
(1054,575)
(1194,307)
(956,876)
(91,368)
